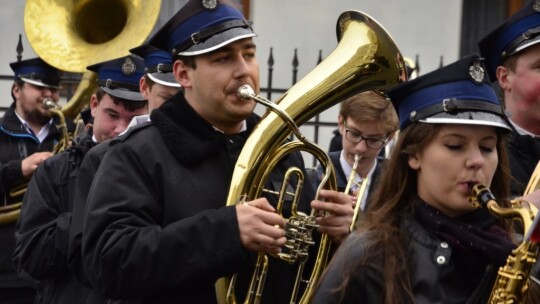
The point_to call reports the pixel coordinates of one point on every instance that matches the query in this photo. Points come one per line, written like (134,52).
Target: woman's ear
(414,162)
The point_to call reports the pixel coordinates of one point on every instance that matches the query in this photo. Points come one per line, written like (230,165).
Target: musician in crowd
(512,52)
(336,142)
(367,122)
(421,240)
(156,228)
(156,85)
(28,134)
(43,227)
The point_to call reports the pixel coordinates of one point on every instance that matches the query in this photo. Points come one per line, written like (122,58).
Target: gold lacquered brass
(72,34)
(512,283)
(366,58)
(361,191)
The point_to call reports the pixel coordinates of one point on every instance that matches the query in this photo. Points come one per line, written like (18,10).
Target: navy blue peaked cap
(120,77)
(459,93)
(202,26)
(37,72)
(158,64)
(520,31)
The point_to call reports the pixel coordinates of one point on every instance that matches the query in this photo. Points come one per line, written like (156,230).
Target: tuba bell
(366,58)
(71,35)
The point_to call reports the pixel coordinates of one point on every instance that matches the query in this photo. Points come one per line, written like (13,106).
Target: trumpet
(361,190)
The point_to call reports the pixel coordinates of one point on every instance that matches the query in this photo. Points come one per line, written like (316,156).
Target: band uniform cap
(519,32)
(459,93)
(202,26)
(37,72)
(120,77)
(158,64)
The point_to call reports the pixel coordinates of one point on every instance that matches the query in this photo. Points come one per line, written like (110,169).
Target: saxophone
(512,283)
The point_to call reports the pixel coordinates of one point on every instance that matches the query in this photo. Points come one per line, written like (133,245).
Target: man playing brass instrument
(27,135)
(157,85)
(512,52)
(367,122)
(43,227)
(156,228)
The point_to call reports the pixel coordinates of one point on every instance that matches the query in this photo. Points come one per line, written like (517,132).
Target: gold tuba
(70,35)
(512,282)
(366,58)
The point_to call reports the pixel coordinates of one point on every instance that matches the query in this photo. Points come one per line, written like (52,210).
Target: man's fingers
(261,203)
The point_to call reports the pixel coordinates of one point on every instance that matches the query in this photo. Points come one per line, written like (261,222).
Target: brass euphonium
(366,58)
(512,282)
(71,35)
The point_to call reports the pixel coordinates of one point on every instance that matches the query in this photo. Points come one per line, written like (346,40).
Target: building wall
(427,28)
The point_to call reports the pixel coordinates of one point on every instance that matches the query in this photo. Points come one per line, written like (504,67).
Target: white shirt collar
(43,132)
(347,170)
(242,129)
(522,131)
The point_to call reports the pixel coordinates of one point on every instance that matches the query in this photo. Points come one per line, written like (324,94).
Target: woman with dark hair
(421,240)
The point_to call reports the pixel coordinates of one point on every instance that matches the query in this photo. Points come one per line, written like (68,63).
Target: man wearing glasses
(367,122)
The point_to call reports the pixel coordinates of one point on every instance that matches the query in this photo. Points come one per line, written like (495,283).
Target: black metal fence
(69,82)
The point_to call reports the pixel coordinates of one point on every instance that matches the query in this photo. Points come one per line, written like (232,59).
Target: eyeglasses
(371,142)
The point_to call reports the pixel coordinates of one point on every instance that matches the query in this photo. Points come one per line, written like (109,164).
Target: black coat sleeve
(344,282)
(127,249)
(10,174)
(84,180)
(43,227)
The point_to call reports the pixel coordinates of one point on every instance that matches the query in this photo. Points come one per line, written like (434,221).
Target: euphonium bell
(366,58)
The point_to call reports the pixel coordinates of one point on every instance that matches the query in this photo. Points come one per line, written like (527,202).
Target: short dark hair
(188,61)
(18,82)
(149,82)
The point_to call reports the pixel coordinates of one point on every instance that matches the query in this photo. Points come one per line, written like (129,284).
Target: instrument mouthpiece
(246,92)
(49,103)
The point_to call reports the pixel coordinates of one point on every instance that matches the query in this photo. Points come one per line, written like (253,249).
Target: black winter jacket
(15,145)
(434,277)
(43,227)
(156,229)
(524,154)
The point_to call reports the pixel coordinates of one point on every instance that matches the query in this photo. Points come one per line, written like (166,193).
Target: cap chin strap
(529,34)
(201,36)
(456,105)
(161,68)
(111,84)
